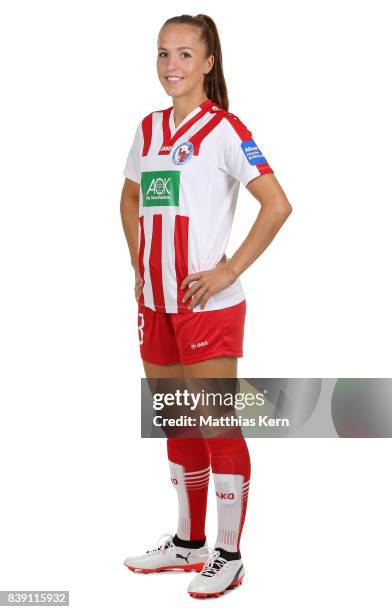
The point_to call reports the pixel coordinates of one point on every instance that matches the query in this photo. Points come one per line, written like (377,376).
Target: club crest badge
(183,153)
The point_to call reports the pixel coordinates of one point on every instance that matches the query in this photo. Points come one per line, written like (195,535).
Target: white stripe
(168,256)
(147,289)
(207,469)
(198,479)
(157,133)
(197,485)
(193,478)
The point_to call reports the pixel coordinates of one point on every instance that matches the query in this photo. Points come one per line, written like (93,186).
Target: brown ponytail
(214,82)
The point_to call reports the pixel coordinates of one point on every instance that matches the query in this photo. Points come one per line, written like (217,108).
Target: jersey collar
(172,133)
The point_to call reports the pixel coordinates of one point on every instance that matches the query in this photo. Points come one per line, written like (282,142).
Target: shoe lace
(214,564)
(167,543)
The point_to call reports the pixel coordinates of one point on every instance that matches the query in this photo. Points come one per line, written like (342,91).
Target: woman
(182,178)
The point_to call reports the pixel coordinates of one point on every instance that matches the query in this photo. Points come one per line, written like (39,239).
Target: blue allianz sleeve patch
(252,152)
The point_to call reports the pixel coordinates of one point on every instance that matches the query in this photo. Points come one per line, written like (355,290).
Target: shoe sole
(232,586)
(195,567)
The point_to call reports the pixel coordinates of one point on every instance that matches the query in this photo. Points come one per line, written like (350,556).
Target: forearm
(130,222)
(261,234)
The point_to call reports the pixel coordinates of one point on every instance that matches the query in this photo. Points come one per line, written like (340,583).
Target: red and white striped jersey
(189,179)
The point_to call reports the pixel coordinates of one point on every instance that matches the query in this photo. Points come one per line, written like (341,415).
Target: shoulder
(145,123)
(149,116)
(234,126)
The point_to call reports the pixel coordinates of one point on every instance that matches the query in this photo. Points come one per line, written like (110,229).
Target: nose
(172,65)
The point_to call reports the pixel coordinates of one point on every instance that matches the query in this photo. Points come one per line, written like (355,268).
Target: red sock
(230,463)
(189,461)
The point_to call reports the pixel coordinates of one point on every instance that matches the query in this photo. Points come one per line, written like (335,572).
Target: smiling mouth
(173,79)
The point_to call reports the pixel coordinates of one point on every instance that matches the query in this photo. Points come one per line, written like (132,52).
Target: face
(181,55)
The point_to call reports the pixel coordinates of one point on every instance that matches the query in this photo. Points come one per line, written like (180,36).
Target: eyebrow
(178,48)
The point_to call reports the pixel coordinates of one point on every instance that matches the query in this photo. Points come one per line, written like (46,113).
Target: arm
(129,209)
(275,208)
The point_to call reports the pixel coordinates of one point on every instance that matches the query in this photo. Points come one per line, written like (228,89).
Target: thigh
(214,378)
(217,367)
(154,370)
(167,379)
(157,339)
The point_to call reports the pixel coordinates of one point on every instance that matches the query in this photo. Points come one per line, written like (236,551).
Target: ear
(210,64)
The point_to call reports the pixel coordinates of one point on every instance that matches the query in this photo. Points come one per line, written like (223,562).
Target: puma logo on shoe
(178,556)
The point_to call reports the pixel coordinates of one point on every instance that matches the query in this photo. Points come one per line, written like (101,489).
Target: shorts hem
(211,356)
(173,309)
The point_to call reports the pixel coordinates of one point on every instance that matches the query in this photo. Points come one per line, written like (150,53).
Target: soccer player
(182,178)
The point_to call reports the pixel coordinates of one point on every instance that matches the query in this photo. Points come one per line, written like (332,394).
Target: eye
(186,53)
(162,53)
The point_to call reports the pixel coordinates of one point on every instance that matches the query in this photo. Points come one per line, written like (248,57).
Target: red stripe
(264,169)
(141,256)
(181,227)
(147,133)
(198,138)
(167,139)
(155,264)
(244,503)
(239,127)
(206,105)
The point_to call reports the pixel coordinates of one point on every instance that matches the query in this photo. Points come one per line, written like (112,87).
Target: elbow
(288,209)
(282,209)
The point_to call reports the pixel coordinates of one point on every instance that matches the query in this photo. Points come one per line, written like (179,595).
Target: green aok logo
(161,188)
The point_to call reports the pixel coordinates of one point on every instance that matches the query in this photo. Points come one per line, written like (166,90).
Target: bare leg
(153,370)
(218,367)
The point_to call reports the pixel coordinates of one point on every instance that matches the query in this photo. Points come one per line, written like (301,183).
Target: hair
(214,82)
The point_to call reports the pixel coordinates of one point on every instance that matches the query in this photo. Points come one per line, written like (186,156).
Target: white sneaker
(217,576)
(168,556)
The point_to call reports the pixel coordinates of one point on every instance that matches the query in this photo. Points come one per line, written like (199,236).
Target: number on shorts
(140,328)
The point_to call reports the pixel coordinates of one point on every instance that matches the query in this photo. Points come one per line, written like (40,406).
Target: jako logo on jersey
(161,188)
(222,495)
(198,344)
(165,148)
(253,153)
(183,153)
(174,481)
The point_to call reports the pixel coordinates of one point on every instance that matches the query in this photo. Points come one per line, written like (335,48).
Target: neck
(183,105)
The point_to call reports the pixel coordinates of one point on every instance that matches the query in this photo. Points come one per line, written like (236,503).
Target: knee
(229,455)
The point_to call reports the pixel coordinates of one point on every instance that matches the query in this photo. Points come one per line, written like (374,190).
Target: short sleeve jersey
(189,179)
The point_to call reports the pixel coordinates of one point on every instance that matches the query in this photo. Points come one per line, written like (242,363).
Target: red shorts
(190,337)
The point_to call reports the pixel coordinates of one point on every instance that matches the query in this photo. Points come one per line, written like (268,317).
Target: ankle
(188,543)
(229,556)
